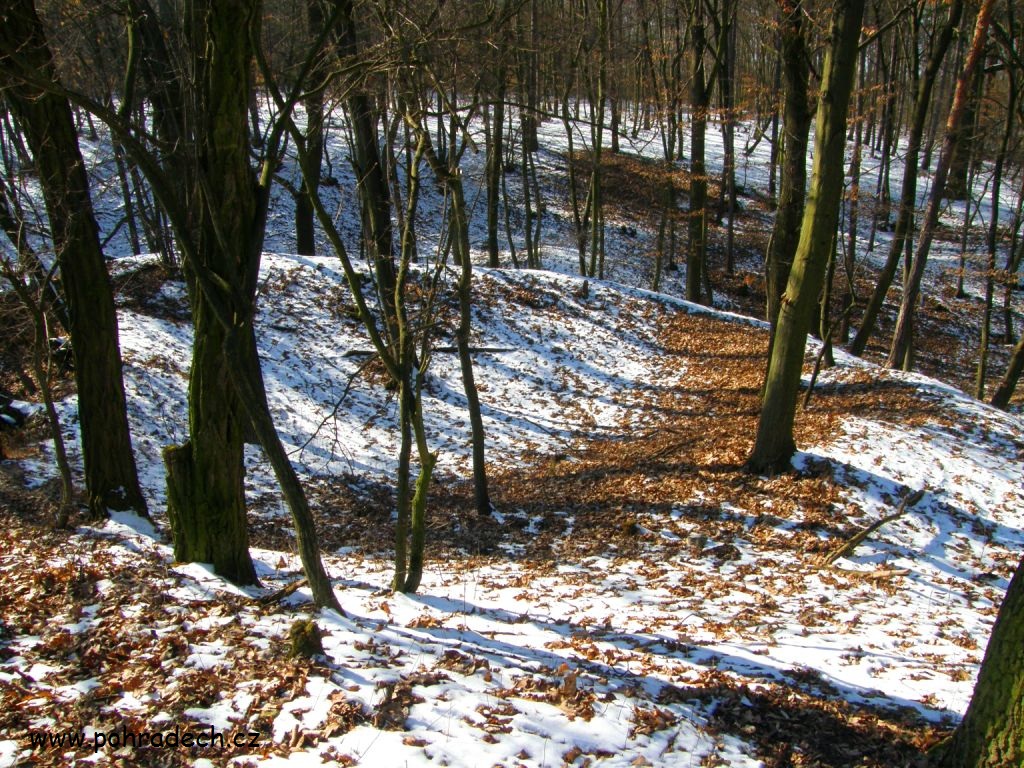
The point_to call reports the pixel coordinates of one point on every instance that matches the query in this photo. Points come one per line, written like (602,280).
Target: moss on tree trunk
(992,732)
(775,445)
(205,478)
(45,117)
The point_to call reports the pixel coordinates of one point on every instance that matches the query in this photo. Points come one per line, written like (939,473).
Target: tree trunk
(902,341)
(531,98)
(1014,255)
(1003,393)
(956,187)
(775,445)
(908,193)
(33,295)
(206,497)
(597,107)
(991,734)
(247,377)
(374,197)
(313,101)
(12,222)
(460,226)
(110,474)
(579,216)
(410,530)
(726,76)
(696,260)
(793,188)
(202,532)
(993,236)
(495,165)
(847,297)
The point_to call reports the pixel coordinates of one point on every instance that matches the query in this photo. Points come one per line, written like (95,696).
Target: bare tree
(775,445)
(30,82)
(901,351)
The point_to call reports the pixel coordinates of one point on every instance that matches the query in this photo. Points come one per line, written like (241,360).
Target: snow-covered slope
(635,600)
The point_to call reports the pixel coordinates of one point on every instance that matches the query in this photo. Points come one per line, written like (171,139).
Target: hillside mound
(635,599)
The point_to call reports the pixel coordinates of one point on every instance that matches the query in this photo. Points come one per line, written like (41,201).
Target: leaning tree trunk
(908,193)
(775,445)
(902,342)
(991,734)
(110,474)
(1003,393)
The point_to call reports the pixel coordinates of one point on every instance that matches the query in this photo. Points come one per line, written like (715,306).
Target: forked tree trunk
(205,476)
(775,445)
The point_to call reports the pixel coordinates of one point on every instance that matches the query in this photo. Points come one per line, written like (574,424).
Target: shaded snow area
(636,599)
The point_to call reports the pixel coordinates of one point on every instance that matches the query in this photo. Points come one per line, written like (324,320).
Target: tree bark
(313,101)
(902,343)
(205,477)
(1003,393)
(774,445)
(696,259)
(597,107)
(460,231)
(991,734)
(374,197)
(908,193)
(793,188)
(111,477)
(495,162)
(956,187)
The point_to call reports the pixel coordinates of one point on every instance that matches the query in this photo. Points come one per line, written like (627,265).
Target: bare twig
(281,594)
(851,544)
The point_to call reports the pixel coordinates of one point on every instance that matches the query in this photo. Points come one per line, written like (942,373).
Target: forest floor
(636,598)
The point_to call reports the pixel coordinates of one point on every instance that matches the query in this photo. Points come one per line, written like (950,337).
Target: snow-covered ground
(703,633)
